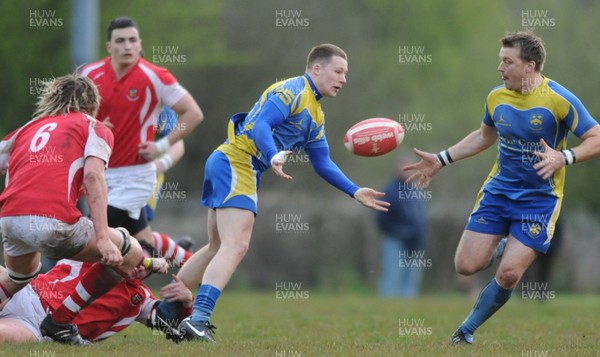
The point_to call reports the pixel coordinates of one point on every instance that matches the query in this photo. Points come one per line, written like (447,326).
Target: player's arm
(269,118)
(190,115)
(94,186)
(330,172)
(552,160)
(5,148)
(430,163)
(170,158)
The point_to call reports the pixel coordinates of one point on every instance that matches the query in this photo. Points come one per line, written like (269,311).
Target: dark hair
(119,23)
(531,46)
(323,54)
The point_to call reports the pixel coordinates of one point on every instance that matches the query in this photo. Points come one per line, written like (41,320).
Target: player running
(530,117)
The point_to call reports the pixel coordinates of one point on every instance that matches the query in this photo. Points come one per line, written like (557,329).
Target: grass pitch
(265,324)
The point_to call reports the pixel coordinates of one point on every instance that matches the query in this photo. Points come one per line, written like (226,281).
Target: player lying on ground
(126,303)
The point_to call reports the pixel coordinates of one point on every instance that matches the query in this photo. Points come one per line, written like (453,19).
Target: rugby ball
(374,137)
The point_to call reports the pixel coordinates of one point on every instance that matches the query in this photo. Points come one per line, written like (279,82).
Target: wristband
(444,158)
(569,156)
(147,263)
(166,162)
(163,145)
(282,155)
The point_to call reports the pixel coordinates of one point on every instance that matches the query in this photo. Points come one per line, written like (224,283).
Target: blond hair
(66,94)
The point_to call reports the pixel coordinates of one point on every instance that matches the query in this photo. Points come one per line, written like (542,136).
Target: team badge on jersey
(136,299)
(133,94)
(535,122)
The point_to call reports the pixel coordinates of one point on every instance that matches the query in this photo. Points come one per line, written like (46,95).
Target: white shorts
(55,239)
(26,308)
(130,187)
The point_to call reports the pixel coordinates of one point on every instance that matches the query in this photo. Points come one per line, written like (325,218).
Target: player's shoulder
(296,85)
(560,90)
(496,91)
(151,70)
(93,67)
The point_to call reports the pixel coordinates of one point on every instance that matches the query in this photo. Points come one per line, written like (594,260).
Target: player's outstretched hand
(111,255)
(426,168)
(550,161)
(369,198)
(177,291)
(277,164)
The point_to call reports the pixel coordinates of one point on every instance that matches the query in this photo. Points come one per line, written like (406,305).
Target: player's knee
(22,279)
(242,248)
(508,278)
(465,266)
(130,249)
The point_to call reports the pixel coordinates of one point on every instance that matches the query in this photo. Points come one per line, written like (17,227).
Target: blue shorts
(230,180)
(530,222)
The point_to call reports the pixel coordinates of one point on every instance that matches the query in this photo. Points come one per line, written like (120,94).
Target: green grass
(258,324)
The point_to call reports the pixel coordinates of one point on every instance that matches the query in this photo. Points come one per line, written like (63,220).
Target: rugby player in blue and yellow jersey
(287,118)
(529,116)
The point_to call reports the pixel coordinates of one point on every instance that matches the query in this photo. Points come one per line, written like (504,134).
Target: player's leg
(21,256)
(230,187)
(235,230)
(191,273)
(98,280)
(20,270)
(475,251)
(169,249)
(12,330)
(515,261)
(21,316)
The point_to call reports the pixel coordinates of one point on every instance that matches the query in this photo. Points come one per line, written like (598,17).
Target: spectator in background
(403,229)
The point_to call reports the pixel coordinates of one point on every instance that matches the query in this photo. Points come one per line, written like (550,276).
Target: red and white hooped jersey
(45,165)
(127,302)
(132,104)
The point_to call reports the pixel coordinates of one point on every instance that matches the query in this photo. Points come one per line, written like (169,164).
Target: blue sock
(169,310)
(491,298)
(205,302)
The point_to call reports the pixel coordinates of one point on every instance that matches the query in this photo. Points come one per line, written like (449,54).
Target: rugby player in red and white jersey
(48,162)
(130,301)
(133,93)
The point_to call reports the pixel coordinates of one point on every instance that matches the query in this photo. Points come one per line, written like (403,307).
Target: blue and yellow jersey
(304,126)
(549,112)
(164,125)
